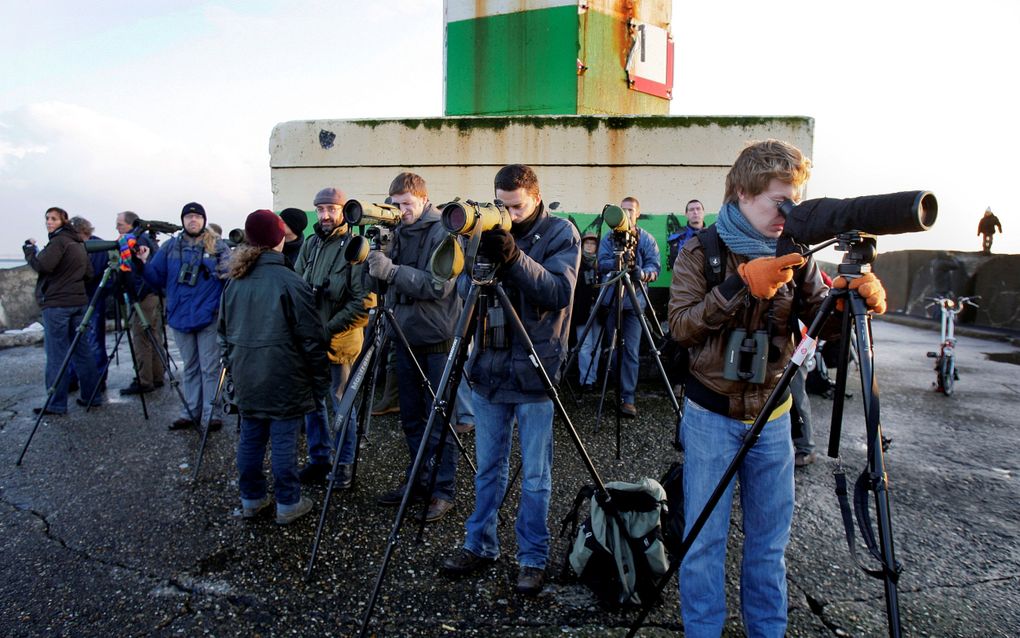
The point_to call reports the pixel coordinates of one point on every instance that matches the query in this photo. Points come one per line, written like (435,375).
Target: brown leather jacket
(702,322)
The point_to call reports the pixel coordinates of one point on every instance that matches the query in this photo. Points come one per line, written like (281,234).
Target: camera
(466,217)
(382,217)
(818,220)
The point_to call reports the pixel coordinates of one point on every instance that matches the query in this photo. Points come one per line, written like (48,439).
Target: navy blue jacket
(540,285)
(189,308)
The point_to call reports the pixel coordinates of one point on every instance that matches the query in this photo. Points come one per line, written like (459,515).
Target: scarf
(740,236)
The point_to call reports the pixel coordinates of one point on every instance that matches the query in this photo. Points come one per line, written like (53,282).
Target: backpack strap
(715,257)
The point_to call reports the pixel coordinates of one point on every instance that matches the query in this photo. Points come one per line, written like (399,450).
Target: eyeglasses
(326,209)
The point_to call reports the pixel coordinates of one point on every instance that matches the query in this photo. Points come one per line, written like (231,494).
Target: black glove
(498,246)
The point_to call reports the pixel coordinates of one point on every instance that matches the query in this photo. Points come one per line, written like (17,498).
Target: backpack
(621,567)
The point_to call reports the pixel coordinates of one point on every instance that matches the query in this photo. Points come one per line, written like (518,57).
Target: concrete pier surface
(103,533)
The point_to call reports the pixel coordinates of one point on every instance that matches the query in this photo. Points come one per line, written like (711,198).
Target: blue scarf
(740,236)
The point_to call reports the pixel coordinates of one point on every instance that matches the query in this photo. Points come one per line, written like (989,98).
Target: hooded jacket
(63,267)
(189,308)
(540,285)
(271,338)
(342,298)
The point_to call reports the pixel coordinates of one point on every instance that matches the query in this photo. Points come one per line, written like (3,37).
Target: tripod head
(861,250)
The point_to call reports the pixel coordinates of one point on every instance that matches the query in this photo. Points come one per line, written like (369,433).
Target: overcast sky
(145,105)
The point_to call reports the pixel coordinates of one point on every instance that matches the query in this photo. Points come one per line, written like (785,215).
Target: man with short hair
(755,294)
(191,268)
(536,261)
(147,357)
(644,267)
(427,312)
(342,300)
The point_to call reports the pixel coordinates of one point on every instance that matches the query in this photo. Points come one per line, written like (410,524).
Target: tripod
(377,334)
(860,254)
(620,283)
(483,277)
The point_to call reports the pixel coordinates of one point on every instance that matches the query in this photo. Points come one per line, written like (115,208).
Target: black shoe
(48,412)
(158,383)
(394,496)
(135,388)
(530,580)
(465,562)
(181,424)
(314,474)
(84,404)
(215,425)
(344,477)
(73,386)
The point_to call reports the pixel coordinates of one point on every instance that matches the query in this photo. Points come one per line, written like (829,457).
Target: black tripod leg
(463,323)
(651,344)
(750,439)
(205,431)
(879,480)
(592,318)
(164,355)
(839,396)
(611,367)
(132,311)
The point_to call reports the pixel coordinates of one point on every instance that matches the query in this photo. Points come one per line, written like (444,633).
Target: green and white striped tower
(558,57)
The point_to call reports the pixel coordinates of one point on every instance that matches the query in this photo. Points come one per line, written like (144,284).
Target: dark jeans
(415,406)
(60,325)
(251,450)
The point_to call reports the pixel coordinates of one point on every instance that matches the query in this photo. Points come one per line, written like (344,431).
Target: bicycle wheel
(946,368)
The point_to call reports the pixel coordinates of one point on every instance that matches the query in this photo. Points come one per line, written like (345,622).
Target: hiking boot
(628,410)
(314,474)
(215,425)
(136,388)
(344,477)
(530,580)
(437,509)
(803,460)
(248,513)
(465,562)
(393,497)
(287,514)
(181,424)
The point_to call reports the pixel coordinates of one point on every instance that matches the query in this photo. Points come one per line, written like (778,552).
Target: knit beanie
(330,195)
(263,229)
(295,218)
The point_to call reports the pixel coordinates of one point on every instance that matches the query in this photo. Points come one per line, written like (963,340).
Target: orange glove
(765,275)
(868,287)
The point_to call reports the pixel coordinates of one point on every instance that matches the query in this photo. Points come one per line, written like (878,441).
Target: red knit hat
(263,229)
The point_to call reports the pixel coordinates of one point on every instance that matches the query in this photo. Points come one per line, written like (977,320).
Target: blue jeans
(493,437)
(251,451)
(200,371)
(588,354)
(630,344)
(317,428)
(710,442)
(60,325)
(415,406)
(463,409)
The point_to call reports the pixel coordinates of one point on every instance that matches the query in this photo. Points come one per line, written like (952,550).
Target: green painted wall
(518,63)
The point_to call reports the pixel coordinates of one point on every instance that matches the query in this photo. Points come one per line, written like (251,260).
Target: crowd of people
(291,367)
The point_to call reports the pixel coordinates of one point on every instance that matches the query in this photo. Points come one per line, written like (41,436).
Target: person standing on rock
(537,262)
(986,228)
(759,292)
(270,332)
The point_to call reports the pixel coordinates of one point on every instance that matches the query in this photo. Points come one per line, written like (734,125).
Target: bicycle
(945,358)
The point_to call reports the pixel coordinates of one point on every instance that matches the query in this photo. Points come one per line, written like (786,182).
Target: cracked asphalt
(103,533)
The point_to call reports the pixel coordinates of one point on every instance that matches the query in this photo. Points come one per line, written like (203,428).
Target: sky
(147,104)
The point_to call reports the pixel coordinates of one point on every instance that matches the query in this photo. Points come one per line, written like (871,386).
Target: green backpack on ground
(620,566)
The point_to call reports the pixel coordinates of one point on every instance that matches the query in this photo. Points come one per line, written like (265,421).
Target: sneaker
(344,477)
(181,424)
(287,514)
(314,474)
(215,425)
(628,410)
(803,460)
(465,562)
(393,497)
(248,513)
(48,412)
(437,509)
(530,580)
(135,388)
